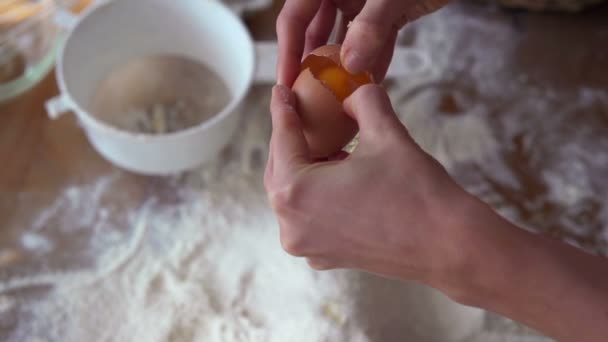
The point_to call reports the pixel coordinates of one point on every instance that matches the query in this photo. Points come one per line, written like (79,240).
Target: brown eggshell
(331,51)
(326,126)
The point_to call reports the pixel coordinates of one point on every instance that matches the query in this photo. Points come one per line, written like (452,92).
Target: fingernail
(354,62)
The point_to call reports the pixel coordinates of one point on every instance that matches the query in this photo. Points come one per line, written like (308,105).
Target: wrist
(540,282)
(485,250)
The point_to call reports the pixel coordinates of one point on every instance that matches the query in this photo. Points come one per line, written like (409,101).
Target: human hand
(368,44)
(387,208)
(390,209)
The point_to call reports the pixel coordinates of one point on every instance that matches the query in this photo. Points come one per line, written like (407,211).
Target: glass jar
(28,39)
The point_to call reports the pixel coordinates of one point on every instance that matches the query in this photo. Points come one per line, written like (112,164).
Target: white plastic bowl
(112,33)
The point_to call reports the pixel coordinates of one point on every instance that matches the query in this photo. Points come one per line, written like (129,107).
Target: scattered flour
(532,148)
(210,268)
(6,304)
(36,243)
(450,138)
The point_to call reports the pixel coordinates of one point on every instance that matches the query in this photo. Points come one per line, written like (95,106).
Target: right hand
(368,45)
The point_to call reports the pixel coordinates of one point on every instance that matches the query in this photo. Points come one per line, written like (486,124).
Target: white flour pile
(450,138)
(211,269)
(208,270)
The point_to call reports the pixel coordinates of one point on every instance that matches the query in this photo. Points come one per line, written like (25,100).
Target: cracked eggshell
(331,51)
(327,128)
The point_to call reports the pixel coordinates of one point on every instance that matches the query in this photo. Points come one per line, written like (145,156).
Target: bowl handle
(266,62)
(56,107)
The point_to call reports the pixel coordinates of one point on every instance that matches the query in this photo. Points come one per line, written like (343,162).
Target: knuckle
(313,35)
(394,144)
(293,243)
(372,31)
(287,18)
(391,129)
(280,201)
(268,180)
(359,97)
(285,200)
(386,144)
(286,203)
(320,264)
(370,90)
(288,120)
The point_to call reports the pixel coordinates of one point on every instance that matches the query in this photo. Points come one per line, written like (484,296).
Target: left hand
(388,208)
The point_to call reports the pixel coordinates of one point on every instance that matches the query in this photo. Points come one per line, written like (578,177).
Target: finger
(339,156)
(320,264)
(342,28)
(268,172)
(370,106)
(292,23)
(369,33)
(350,8)
(289,148)
(321,26)
(383,61)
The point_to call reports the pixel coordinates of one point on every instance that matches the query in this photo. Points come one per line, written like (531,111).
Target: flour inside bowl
(159,94)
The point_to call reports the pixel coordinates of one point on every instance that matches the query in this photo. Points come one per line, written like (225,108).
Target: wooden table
(43,156)
(40,155)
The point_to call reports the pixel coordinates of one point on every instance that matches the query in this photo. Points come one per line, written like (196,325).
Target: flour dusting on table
(210,267)
(207,270)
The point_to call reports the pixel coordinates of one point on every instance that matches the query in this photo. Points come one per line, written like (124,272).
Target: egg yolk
(339,81)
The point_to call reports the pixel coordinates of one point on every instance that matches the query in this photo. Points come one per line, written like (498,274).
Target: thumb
(371,107)
(288,147)
(369,34)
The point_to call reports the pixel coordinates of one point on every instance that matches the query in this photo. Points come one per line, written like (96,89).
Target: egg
(320,88)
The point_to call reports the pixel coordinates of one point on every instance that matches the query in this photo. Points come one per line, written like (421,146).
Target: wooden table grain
(42,157)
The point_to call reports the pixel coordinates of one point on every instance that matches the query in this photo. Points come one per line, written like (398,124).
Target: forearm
(545,284)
